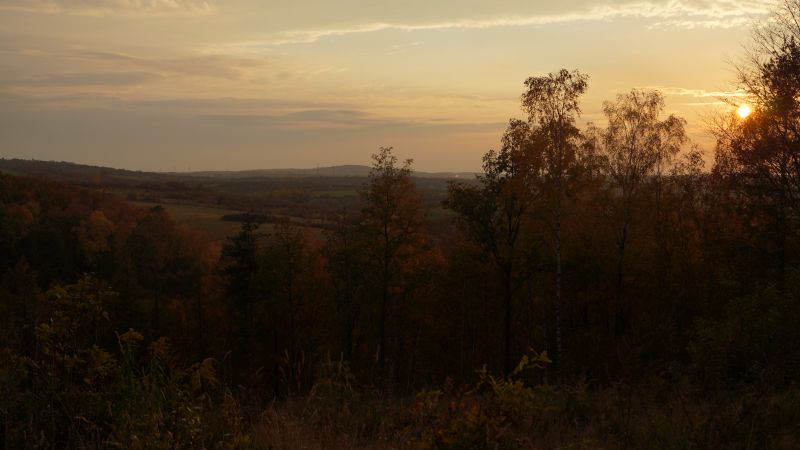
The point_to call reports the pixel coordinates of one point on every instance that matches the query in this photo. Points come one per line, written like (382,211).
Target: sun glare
(743,111)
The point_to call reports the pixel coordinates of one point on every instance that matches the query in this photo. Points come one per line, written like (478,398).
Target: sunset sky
(248,84)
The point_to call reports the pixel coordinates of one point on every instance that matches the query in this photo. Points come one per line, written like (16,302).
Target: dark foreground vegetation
(593,288)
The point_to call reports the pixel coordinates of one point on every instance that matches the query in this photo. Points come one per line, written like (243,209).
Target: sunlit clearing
(743,111)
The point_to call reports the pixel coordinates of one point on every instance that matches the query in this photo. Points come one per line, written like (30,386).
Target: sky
(249,84)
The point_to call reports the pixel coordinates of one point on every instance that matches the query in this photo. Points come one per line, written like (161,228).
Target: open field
(200,217)
(349,193)
(210,220)
(439,213)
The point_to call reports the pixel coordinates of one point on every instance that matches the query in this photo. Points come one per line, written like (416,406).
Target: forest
(609,286)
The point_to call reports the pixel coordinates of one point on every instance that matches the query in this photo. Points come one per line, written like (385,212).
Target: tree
(151,249)
(760,156)
(345,254)
(552,106)
(289,266)
(392,222)
(495,214)
(94,235)
(240,266)
(636,146)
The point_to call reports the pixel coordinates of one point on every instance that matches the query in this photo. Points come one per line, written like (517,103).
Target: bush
(497,413)
(72,392)
(755,342)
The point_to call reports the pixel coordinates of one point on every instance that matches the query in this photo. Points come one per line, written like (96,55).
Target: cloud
(195,107)
(704,103)
(243,111)
(228,112)
(314,118)
(690,24)
(88,79)
(686,14)
(701,97)
(233,105)
(220,66)
(126,135)
(105,7)
(404,48)
(114,64)
(697,93)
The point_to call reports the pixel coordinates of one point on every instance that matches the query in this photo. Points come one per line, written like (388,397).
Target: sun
(744,111)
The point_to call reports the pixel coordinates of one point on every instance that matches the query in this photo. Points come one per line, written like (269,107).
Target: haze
(245,84)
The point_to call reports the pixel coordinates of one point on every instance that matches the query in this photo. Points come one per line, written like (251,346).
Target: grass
(209,219)
(439,213)
(11,172)
(339,193)
(199,217)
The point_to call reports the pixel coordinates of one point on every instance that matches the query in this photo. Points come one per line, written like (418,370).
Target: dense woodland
(594,288)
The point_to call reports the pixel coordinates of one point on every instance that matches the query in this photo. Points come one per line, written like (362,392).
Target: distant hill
(350,170)
(333,171)
(67,170)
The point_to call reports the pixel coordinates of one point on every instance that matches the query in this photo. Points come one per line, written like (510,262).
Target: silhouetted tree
(289,268)
(635,145)
(240,267)
(495,214)
(760,155)
(150,249)
(346,263)
(392,223)
(552,106)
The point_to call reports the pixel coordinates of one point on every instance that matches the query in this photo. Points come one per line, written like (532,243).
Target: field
(437,213)
(201,200)
(200,217)
(350,193)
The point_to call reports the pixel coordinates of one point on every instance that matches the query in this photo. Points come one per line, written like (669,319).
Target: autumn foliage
(593,288)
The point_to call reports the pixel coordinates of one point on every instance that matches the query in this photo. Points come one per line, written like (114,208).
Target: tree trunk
(507,325)
(619,323)
(382,329)
(559,361)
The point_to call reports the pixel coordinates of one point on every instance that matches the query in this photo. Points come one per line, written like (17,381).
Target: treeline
(608,256)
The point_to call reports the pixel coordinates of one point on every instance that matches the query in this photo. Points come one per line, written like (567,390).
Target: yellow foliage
(131,337)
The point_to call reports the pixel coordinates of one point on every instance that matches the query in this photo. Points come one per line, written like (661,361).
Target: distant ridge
(63,169)
(67,170)
(349,170)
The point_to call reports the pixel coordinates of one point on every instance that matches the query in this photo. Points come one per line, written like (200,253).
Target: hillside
(67,170)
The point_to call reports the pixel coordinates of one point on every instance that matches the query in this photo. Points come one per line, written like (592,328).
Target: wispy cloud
(690,24)
(208,65)
(87,79)
(718,103)
(105,7)
(404,48)
(187,63)
(302,119)
(668,13)
(697,93)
